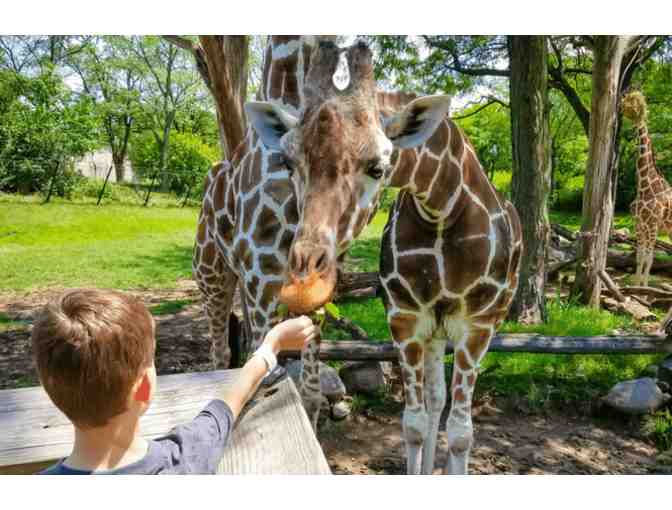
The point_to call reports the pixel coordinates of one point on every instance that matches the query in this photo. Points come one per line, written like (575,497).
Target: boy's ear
(143,390)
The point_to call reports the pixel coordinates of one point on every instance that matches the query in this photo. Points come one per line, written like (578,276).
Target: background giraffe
(652,207)
(297,191)
(449,268)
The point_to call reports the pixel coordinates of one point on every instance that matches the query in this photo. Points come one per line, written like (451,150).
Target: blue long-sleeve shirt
(192,448)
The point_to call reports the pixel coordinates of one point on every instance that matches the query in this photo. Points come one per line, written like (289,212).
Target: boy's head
(94,351)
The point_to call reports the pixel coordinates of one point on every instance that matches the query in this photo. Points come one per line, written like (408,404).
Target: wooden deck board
(273,435)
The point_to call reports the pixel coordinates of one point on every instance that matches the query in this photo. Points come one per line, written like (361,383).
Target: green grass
(568,319)
(78,244)
(364,253)
(170,307)
(123,245)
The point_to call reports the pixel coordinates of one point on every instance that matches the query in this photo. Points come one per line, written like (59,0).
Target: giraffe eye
(373,169)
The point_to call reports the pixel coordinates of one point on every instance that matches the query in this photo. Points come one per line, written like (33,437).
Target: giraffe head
(633,106)
(338,150)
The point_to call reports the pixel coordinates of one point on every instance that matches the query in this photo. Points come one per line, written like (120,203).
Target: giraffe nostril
(322,262)
(295,262)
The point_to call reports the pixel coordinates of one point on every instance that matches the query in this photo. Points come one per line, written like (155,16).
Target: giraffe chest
(451,274)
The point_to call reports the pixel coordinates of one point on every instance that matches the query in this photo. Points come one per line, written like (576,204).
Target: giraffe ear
(271,122)
(417,121)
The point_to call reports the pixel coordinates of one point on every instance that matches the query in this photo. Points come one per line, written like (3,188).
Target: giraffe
(652,207)
(449,267)
(296,192)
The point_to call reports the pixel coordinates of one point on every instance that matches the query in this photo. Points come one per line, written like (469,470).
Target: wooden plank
(354,350)
(34,432)
(273,438)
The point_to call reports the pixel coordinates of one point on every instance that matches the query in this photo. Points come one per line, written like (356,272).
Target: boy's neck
(113,446)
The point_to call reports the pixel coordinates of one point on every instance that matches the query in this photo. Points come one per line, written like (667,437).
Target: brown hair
(90,347)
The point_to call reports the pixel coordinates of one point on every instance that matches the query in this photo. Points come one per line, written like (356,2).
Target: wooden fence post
(102,191)
(53,181)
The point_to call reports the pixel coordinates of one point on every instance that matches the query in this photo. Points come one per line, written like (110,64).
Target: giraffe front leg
(415,422)
(217,285)
(311,392)
(646,231)
(459,428)
(641,262)
(651,252)
(435,399)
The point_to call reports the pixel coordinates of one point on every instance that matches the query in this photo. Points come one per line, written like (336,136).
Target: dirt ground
(507,440)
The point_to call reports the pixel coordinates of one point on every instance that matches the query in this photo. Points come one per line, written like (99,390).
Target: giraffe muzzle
(311,278)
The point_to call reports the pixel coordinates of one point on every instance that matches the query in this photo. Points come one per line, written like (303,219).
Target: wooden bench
(272,435)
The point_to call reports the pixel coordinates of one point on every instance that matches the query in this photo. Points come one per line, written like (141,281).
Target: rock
(340,411)
(363,377)
(639,396)
(665,370)
(330,383)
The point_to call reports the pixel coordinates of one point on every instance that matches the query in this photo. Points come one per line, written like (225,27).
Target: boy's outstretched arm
(198,446)
(289,335)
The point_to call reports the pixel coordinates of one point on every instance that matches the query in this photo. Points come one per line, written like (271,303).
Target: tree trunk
(531,176)
(164,176)
(598,192)
(119,152)
(226,59)
(119,169)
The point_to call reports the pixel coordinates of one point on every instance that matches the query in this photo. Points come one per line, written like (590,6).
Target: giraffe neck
(286,61)
(439,175)
(646,168)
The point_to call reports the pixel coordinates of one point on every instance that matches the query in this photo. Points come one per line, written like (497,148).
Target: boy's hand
(291,335)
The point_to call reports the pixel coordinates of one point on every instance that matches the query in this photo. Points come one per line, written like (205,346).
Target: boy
(94,352)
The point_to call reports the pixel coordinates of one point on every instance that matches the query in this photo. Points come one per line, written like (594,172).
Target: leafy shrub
(569,195)
(501,179)
(189,159)
(90,188)
(42,121)
(658,427)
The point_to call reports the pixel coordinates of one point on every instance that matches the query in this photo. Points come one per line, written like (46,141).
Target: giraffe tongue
(306,295)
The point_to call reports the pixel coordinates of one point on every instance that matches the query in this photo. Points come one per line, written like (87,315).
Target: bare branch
(480,109)
(182,42)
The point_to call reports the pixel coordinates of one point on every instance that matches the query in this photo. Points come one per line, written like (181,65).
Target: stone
(340,411)
(330,383)
(639,396)
(363,377)
(665,370)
